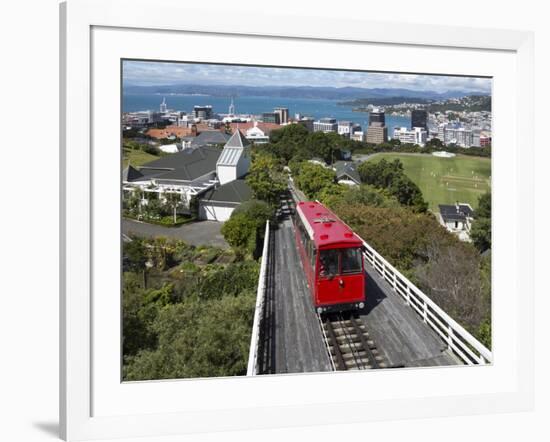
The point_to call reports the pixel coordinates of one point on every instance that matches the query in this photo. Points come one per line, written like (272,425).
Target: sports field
(445,180)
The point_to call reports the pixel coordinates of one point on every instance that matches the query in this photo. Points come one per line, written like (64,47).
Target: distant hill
(331,93)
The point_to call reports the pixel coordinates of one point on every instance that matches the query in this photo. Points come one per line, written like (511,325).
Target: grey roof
(209,138)
(230,156)
(237,140)
(347,169)
(455,212)
(236,191)
(131,173)
(187,165)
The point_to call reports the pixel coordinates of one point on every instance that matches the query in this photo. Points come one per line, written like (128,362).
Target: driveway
(196,233)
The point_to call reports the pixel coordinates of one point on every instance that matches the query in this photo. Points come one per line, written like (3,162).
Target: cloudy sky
(159,73)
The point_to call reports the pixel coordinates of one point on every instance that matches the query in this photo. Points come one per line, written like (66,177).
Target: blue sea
(316,108)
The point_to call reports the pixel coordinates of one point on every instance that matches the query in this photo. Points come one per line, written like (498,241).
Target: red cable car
(332,258)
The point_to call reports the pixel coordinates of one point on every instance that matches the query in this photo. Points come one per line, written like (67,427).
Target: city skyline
(152,73)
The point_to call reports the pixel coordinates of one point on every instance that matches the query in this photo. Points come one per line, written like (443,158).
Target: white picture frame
(85,412)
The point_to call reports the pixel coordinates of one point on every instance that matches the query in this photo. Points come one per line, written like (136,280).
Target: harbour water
(316,108)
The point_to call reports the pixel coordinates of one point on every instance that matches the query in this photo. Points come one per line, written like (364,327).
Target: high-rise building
(271,117)
(325,125)
(283,114)
(377,131)
(377,116)
(419,118)
(202,112)
(232,107)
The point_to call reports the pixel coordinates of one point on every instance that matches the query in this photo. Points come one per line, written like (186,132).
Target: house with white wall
(192,172)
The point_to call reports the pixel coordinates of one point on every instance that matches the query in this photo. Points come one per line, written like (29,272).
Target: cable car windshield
(329,262)
(351,260)
(340,261)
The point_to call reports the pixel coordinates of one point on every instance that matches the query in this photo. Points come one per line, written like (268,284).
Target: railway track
(348,342)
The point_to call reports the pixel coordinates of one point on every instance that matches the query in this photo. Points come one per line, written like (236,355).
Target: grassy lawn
(136,157)
(445,180)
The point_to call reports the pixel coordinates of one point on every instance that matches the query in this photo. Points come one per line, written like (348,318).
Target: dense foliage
(313,178)
(295,142)
(481,227)
(391,176)
(187,311)
(245,228)
(451,272)
(266,178)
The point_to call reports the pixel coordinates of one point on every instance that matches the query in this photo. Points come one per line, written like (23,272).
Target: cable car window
(328,263)
(351,260)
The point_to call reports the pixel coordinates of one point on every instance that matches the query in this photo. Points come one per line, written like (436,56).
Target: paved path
(197,233)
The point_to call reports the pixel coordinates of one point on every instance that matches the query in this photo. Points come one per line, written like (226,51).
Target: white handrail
(260,298)
(458,339)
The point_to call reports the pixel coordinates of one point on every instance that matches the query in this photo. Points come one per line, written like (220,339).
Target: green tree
(481,233)
(266,178)
(481,226)
(313,178)
(240,233)
(325,146)
(391,176)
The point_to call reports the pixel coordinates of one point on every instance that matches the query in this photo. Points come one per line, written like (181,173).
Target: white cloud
(164,73)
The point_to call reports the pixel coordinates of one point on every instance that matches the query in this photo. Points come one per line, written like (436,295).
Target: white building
(257,135)
(193,173)
(325,125)
(358,136)
(417,135)
(234,160)
(345,128)
(457,219)
(460,136)
(169,148)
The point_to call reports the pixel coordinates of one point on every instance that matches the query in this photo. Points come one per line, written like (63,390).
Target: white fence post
(467,347)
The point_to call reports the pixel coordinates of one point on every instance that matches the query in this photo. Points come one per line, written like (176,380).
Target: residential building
(217,204)
(325,125)
(210,138)
(416,135)
(191,173)
(172,131)
(457,219)
(256,135)
(346,173)
(460,136)
(170,148)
